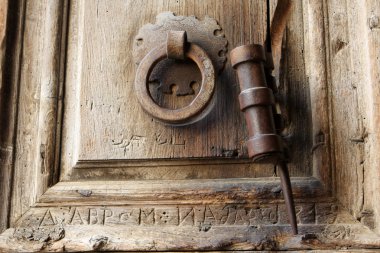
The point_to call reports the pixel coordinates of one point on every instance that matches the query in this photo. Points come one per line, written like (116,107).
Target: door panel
(107,135)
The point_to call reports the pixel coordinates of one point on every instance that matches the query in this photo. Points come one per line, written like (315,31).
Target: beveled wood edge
(6,132)
(12,21)
(118,163)
(68,149)
(38,119)
(316,69)
(200,191)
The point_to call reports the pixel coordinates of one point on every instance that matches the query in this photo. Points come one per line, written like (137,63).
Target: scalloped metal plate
(206,33)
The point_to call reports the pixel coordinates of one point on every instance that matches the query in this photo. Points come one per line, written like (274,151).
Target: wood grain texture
(329,95)
(193,191)
(354,69)
(348,146)
(11,44)
(37,114)
(281,11)
(295,93)
(184,227)
(316,68)
(100,99)
(6,145)
(371,214)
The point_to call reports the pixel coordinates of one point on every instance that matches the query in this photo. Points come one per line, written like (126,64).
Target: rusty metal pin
(176,45)
(288,195)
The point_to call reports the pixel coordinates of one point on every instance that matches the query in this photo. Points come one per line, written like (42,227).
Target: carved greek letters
(147,216)
(166,216)
(129,216)
(76,218)
(171,215)
(305,214)
(265,215)
(186,216)
(216,215)
(47,219)
(93,216)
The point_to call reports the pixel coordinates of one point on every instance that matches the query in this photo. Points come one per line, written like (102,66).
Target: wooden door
(93,171)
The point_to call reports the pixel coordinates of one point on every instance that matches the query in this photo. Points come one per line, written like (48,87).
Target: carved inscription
(326,214)
(305,214)
(132,142)
(204,216)
(104,227)
(129,143)
(153,216)
(161,139)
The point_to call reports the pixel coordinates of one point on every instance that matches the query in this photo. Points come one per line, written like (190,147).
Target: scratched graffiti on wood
(133,142)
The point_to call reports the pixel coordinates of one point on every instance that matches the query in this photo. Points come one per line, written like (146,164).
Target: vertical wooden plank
(294,94)
(12,20)
(316,73)
(38,102)
(53,50)
(347,124)
(3,26)
(71,96)
(370,215)
(354,57)
(6,144)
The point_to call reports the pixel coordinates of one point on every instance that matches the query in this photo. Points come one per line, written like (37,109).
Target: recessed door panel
(106,132)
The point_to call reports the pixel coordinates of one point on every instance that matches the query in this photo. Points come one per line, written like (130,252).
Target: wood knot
(374,22)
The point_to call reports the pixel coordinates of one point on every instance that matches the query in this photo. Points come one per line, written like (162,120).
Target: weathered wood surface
(40,76)
(354,90)
(328,92)
(184,227)
(99,94)
(372,182)
(6,145)
(11,30)
(316,69)
(37,121)
(184,191)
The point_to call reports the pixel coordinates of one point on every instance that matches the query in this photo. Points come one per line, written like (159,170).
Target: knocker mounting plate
(175,76)
(205,33)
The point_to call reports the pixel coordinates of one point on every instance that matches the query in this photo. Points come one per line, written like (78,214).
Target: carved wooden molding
(185,227)
(6,133)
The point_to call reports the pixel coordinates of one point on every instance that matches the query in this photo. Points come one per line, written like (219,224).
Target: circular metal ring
(189,113)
